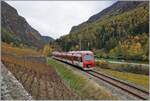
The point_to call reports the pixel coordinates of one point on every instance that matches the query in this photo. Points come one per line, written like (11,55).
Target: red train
(83,59)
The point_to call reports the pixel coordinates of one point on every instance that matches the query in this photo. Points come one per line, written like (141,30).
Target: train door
(80,61)
(72,58)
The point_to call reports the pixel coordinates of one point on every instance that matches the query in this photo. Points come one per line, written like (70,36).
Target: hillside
(115,9)
(47,39)
(38,78)
(108,30)
(16,30)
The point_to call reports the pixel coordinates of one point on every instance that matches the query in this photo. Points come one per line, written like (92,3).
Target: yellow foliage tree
(77,47)
(136,48)
(47,50)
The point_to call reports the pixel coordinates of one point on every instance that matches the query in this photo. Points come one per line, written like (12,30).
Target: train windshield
(88,57)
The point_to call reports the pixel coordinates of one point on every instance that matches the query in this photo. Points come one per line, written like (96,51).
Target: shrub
(137,69)
(102,64)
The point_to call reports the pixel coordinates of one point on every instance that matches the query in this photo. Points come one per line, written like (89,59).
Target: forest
(118,36)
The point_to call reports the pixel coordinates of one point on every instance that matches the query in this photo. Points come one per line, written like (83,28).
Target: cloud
(56,18)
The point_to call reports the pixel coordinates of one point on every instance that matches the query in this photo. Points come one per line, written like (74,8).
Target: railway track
(139,93)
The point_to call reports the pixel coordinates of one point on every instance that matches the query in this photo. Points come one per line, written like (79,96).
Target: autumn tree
(47,50)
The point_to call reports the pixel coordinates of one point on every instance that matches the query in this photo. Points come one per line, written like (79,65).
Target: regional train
(83,59)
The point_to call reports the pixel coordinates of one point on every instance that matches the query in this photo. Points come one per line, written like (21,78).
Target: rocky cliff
(16,30)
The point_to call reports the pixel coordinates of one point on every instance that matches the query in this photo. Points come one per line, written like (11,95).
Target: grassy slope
(138,79)
(82,86)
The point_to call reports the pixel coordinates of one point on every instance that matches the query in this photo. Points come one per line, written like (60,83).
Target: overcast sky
(55,18)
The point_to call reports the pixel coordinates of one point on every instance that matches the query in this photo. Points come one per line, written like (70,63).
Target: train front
(88,60)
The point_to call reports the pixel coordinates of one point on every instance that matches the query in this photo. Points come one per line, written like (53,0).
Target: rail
(137,92)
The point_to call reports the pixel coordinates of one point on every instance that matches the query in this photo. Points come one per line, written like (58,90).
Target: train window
(76,58)
(87,57)
(80,59)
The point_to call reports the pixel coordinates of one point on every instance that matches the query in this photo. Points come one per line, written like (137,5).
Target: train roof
(81,52)
(73,52)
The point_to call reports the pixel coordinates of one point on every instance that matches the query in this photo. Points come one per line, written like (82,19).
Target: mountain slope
(115,9)
(47,39)
(15,29)
(112,26)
